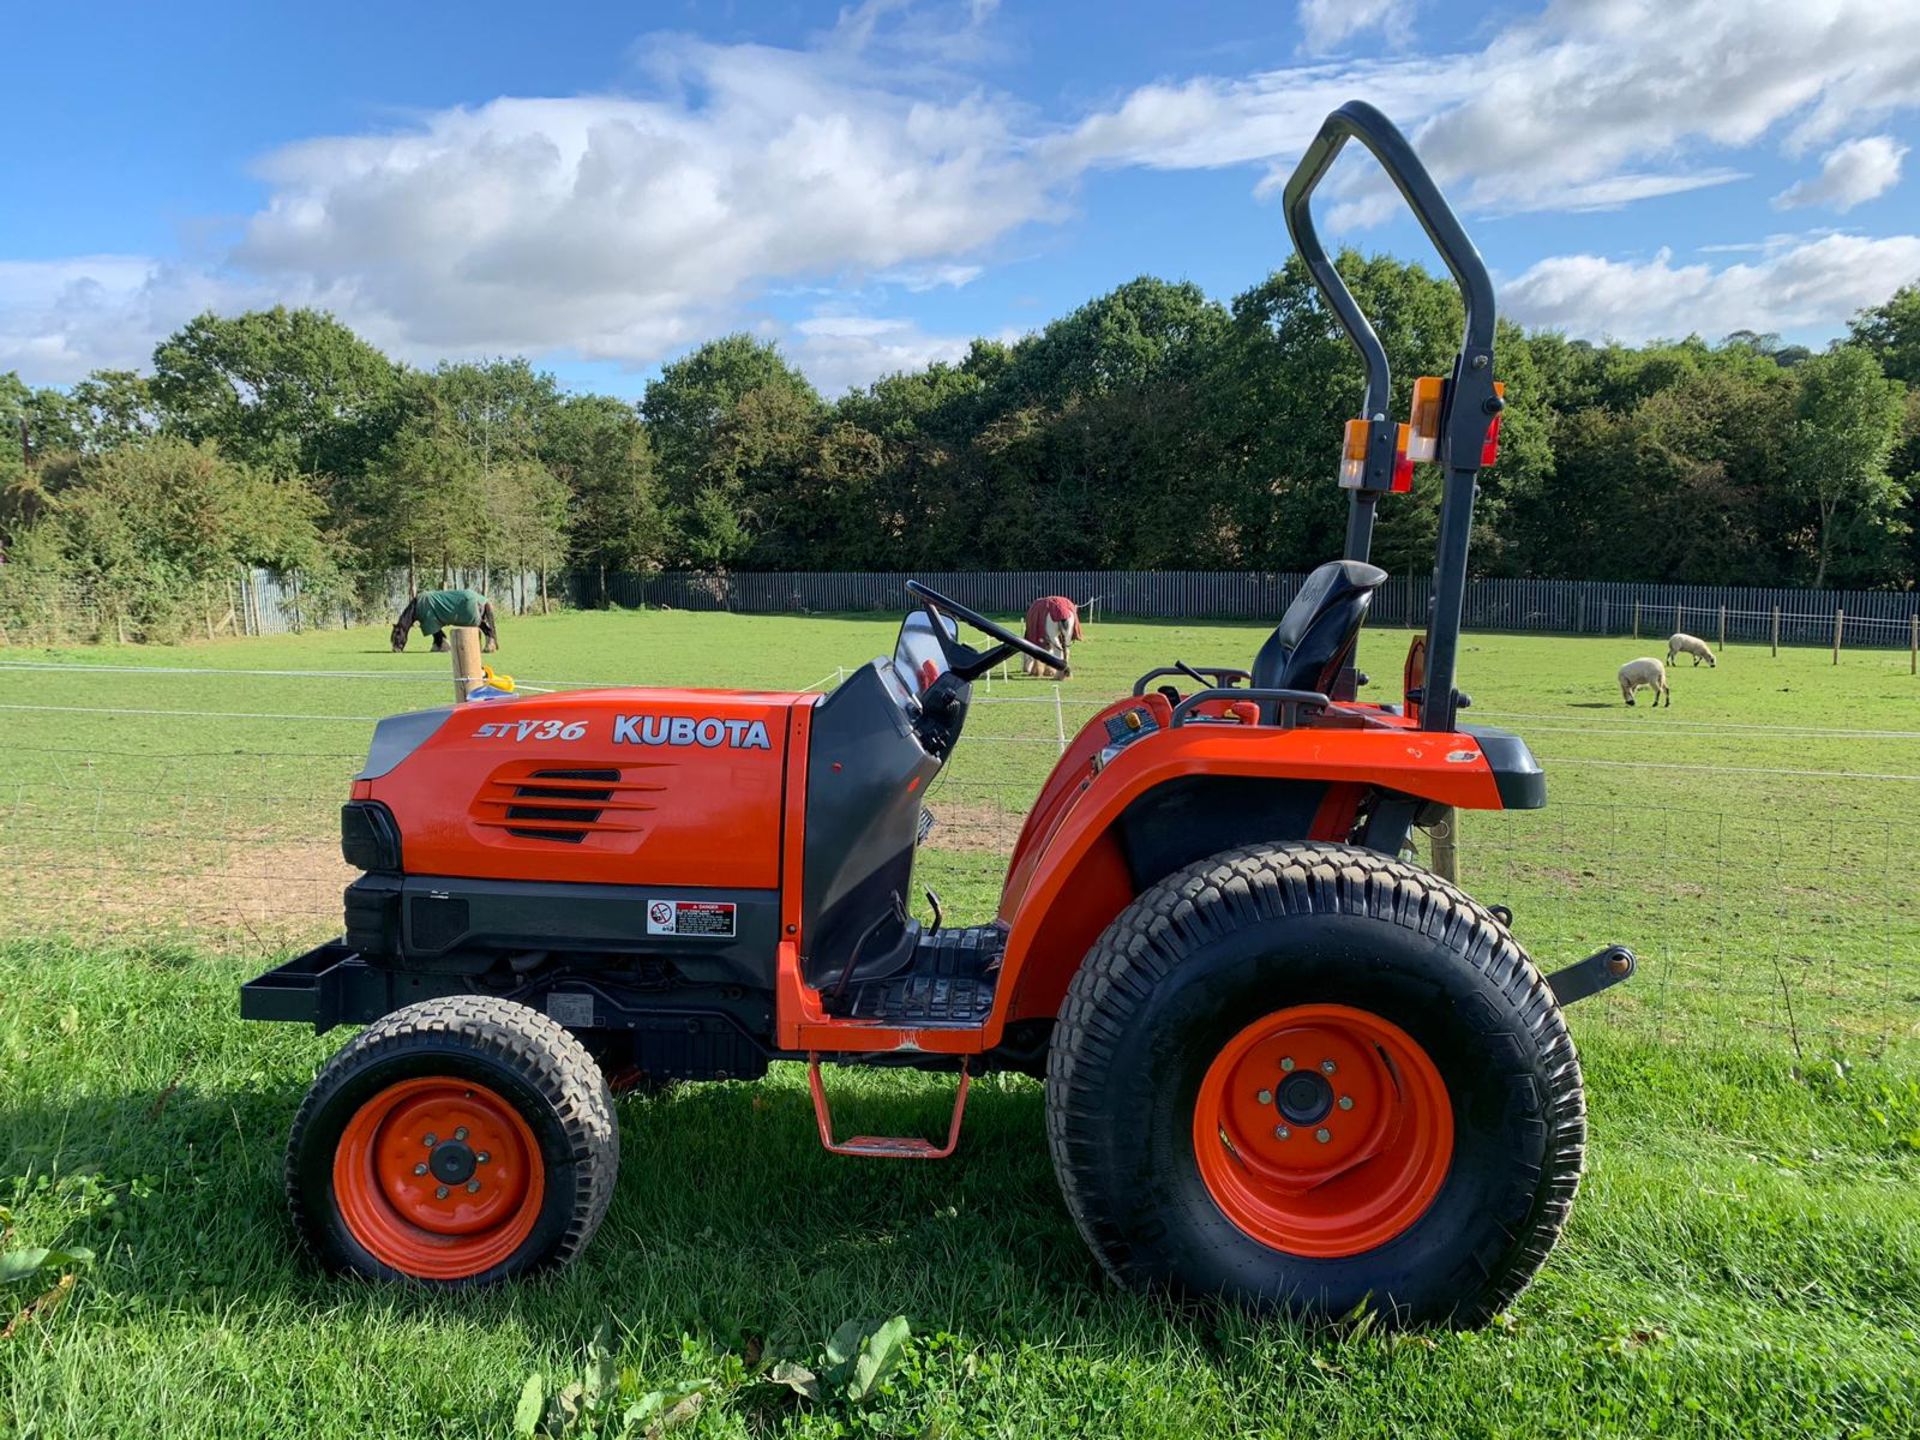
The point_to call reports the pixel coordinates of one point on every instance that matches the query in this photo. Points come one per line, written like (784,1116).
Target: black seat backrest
(1315,637)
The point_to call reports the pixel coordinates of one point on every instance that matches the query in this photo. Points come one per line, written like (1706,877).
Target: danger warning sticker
(690,917)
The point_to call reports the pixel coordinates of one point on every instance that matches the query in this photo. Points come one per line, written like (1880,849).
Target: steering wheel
(963,660)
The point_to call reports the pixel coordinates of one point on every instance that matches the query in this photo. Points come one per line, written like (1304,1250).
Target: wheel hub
(1304,1098)
(1323,1130)
(452,1162)
(439,1178)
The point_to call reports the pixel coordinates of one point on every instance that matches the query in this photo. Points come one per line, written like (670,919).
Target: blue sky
(602,186)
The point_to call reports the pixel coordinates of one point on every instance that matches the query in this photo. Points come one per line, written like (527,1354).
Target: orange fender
(1066,886)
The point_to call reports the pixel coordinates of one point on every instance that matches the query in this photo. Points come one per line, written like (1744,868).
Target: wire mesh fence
(41,609)
(48,610)
(1726,614)
(1760,918)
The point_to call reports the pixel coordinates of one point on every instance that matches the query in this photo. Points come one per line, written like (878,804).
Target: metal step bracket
(884,1147)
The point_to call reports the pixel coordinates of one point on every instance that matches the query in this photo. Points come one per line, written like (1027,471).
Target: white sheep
(1648,672)
(1689,645)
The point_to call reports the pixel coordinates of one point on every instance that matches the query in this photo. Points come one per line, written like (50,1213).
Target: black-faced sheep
(1647,672)
(1689,645)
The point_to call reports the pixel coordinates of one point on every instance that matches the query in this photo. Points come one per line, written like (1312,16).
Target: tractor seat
(1314,639)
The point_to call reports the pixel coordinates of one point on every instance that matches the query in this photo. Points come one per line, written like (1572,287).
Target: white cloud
(623,227)
(1592,103)
(1850,175)
(1328,22)
(1817,283)
(839,352)
(919,278)
(60,319)
(1209,122)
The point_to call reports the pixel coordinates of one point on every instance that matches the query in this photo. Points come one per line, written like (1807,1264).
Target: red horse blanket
(1052,607)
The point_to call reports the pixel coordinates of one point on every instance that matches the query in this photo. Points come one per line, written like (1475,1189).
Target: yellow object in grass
(498,682)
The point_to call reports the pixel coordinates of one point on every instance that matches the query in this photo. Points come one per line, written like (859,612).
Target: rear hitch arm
(1599,971)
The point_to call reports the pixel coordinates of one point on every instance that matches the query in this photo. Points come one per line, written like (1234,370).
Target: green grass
(1744,1258)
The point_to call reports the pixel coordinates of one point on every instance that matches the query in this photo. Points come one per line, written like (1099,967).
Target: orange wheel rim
(1323,1131)
(439,1178)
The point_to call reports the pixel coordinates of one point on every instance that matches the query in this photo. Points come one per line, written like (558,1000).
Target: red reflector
(1490,449)
(1402,462)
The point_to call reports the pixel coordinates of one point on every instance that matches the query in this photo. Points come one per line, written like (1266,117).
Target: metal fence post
(1636,619)
(1723,627)
(1839,620)
(1776,631)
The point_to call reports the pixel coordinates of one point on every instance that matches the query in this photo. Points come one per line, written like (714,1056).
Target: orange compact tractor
(1283,1065)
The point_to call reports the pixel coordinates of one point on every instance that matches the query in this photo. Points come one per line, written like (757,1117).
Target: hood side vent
(566,806)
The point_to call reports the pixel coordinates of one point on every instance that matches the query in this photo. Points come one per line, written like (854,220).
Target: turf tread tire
(1170,924)
(521,1042)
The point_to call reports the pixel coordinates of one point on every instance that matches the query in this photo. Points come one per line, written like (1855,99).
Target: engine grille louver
(569,805)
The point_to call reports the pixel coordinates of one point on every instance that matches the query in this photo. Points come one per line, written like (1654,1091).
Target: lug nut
(431,1140)
(1323,1135)
(473,1187)
(440,1192)
(1265,1097)
(1280,1132)
(461,1133)
(483,1157)
(1287,1063)
(1327,1065)
(420,1169)
(1346,1102)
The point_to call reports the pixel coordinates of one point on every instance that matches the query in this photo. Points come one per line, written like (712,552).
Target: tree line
(1152,428)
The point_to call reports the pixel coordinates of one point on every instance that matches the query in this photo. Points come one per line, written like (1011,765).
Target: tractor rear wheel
(1311,1078)
(455,1142)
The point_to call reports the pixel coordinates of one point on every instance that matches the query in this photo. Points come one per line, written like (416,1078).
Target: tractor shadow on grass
(729,1222)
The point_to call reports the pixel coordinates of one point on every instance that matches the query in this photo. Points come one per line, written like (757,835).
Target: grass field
(1745,1256)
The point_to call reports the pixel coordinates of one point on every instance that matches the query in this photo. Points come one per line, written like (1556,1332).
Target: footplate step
(884,1147)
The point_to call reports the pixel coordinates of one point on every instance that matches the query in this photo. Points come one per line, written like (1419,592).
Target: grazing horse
(1053,621)
(435,610)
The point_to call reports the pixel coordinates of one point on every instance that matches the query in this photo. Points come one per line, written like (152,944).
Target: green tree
(418,503)
(155,521)
(598,449)
(1293,381)
(1891,333)
(113,408)
(1848,420)
(696,395)
(752,471)
(292,390)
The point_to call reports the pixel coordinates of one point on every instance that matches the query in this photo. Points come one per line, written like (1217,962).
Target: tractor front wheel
(455,1142)
(1312,1078)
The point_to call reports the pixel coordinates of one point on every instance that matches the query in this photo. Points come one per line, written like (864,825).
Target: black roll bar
(1470,402)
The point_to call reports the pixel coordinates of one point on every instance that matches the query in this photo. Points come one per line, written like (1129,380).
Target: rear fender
(1079,874)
